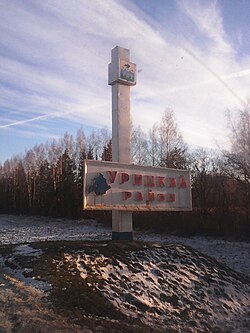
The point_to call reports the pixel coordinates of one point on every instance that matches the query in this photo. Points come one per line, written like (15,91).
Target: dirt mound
(132,286)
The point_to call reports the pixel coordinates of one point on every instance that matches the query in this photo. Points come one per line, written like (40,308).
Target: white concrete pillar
(122,227)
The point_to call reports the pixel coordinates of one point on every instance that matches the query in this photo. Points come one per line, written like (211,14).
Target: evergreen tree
(107,152)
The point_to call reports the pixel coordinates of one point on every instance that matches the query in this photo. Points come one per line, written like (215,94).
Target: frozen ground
(26,229)
(171,288)
(152,286)
(235,255)
(21,229)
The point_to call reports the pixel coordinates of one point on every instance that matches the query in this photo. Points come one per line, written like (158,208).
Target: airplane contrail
(20,122)
(245,72)
(242,73)
(241,100)
(221,79)
(48,115)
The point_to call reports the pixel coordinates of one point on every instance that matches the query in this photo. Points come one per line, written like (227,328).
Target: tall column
(120,80)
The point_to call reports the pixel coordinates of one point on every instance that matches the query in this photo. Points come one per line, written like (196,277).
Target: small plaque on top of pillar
(121,70)
(127,72)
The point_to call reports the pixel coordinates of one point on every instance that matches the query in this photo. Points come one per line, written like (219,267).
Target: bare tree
(172,148)
(97,140)
(80,142)
(204,170)
(153,145)
(54,152)
(29,167)
(80,153)
(139,146)
(238,158)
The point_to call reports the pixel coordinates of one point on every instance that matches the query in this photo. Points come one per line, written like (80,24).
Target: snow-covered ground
(235,255)
(168,286)
(25,229)
(156,284)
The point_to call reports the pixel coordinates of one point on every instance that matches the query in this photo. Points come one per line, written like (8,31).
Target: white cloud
(208,19)
(60,52)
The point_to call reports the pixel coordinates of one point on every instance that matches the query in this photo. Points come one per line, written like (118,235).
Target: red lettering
(127,195)
(111,176)
(149,181)
(160,197)
(151,196)
(171,182)
(139,196)
(170,197)
(124,178)
(182,182)
(137,180)
(160,181)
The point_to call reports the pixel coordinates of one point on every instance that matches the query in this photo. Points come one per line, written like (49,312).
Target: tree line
(48,179)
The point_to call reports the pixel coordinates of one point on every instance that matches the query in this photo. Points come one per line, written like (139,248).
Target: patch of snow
(27,250)
(27,229)
(20,273)
(166,284)
(235,255)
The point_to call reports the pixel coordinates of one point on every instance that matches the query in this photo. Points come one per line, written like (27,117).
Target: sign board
(127,72)
(122,71)
(128,187)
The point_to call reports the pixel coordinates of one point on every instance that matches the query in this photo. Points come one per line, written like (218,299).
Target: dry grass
(25,310)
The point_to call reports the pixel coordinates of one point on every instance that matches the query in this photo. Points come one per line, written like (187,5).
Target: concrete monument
(119,185)
(121,76)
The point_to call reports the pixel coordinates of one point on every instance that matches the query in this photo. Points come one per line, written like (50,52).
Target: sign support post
(122,74)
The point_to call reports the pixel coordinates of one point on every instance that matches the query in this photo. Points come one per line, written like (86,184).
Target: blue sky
(193,56)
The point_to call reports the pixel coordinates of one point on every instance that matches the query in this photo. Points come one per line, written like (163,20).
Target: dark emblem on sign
(99,186)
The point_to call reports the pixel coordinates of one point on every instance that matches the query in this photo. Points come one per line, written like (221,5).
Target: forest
(48,179)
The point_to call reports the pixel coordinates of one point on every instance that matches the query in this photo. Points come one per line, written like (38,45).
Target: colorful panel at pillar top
(127,72)
(128,187)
